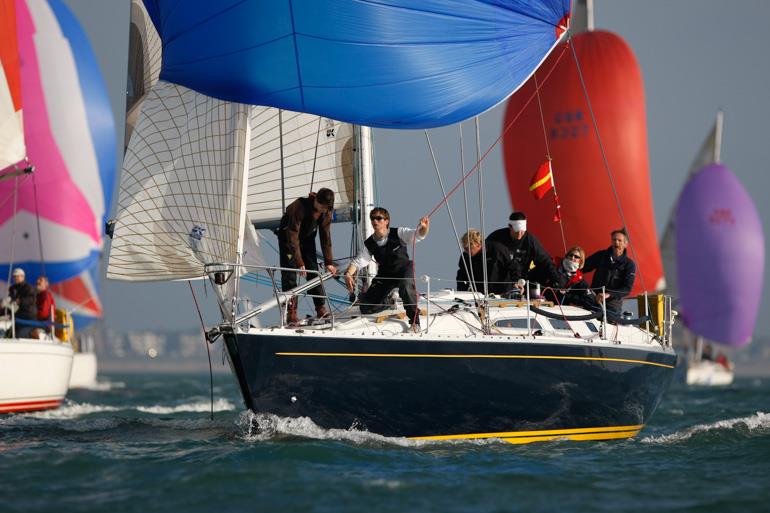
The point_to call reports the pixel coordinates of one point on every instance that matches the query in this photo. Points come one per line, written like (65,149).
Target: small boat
(204,165)
(55,167)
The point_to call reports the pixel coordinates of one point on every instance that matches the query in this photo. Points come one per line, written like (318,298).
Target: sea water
(146,442)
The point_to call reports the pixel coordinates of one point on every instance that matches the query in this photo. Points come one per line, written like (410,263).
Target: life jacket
(392,258)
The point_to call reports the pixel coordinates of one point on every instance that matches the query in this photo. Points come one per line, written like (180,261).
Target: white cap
(18,272)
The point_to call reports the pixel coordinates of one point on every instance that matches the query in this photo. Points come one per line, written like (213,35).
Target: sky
(696,56)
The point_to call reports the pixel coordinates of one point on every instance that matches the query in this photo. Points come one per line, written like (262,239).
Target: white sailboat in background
(34,372)
(713,215)
(55,202)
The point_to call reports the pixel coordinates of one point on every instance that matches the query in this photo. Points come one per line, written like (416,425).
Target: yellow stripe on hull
(493,356)
(525,437)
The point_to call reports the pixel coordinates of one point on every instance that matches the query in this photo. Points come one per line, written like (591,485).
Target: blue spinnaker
(388,63)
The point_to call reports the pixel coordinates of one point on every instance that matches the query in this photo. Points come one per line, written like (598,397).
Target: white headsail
(181,203)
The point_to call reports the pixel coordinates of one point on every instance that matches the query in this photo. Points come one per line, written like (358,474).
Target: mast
(365,163)
(718,137)
(582,17)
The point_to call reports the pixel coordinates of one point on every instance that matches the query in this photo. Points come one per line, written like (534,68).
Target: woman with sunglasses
(571,288)
(387,246)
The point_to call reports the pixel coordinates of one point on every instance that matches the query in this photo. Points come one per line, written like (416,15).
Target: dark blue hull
(519,391)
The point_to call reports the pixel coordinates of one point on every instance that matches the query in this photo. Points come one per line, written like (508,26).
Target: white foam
(104,386)
(194,407)
(760,420)
(72,410)
(260,427)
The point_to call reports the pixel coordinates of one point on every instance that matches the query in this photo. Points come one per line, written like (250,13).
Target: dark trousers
(373,300)
(289,279)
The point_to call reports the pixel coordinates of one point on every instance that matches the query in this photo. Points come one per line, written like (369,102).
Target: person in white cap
(25,297)
(530,259)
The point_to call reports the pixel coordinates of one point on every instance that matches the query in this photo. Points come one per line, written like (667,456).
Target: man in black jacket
(614,271)
(471,261)
(530,260)
(25,297)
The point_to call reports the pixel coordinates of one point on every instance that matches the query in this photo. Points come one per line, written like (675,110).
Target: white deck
(454,316)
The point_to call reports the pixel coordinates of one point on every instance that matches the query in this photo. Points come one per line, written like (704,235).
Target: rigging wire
(507,128)
(39,234)
(208,350)
(548,156)
(606,162)
(443,192)
(481,210)
(315,154)
(468,271)
(13,226)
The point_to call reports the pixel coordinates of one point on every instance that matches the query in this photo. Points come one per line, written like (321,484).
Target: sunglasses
(573,256)
(377,218)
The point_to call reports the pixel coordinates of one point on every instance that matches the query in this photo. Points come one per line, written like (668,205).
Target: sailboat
(53,206)
(713,216)
(208,160)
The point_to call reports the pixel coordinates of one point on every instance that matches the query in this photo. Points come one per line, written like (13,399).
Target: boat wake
(194,407)
(262,427)
(758,422)
(104,386)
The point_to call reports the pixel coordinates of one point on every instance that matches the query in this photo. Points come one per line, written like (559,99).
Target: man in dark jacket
(614,271)
(24,295)
(303,218)
(471,261)
(526,250)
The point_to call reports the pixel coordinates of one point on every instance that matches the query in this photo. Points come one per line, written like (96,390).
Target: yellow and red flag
(542,181)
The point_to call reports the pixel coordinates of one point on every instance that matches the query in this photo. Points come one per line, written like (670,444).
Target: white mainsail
(293,154)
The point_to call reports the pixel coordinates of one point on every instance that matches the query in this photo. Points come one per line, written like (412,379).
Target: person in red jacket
(46,307)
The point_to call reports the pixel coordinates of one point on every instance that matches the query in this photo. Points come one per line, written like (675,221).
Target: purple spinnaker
(720,253)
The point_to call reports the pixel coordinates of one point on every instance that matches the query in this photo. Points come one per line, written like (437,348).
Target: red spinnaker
(588,207)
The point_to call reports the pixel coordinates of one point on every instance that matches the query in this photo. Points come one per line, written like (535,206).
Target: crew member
(387,246)
(499,261)
(614,271)
(303,218)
